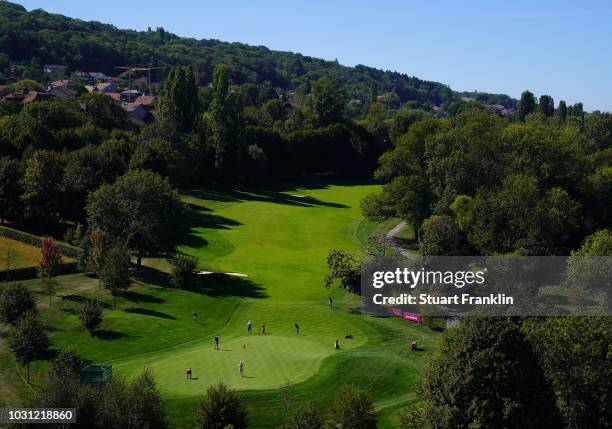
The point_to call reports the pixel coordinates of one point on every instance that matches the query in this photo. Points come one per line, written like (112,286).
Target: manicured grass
(23,255)
(279,238)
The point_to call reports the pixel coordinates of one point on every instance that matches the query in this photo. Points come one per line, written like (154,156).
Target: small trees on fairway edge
(15,301)
(352,408)
(91,314)
(28,340)
(219,408)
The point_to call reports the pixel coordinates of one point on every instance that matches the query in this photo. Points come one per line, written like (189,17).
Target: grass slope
(279,238)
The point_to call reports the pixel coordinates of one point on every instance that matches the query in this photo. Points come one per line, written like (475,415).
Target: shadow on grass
(222,285)
(267,196)
(215,285)
(80,299)
(147,312)
(105,335)
(132,296)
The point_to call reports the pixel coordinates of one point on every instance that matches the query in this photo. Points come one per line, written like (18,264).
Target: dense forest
(37,37)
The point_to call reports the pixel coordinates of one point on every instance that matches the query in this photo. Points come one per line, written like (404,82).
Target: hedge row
(32,273)
(14,234)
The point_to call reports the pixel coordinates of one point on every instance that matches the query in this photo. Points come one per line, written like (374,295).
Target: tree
(178,104)
(589,267)
(42,187)
(224,120)
(15,301)
(98,246)
(546,105)
(342,265)
(183,267)
(328,101)
(66,364)
(145,406)
(485,374)
(352,408)
(115,273)
(104,112)
(49,264)
(306,417)
(28,340)
(140,208)
(219,408)
(527,105)
(91,314)
(440,236)
(562,112)
(10,188)
(574,354)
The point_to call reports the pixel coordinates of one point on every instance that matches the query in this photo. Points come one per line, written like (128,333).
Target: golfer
(216,342)
(195,316)
(337,345)
(297,329)
(330,302)
(249,325)
(188,372)
(241,368)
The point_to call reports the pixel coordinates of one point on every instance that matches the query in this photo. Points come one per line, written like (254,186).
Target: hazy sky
(562,48)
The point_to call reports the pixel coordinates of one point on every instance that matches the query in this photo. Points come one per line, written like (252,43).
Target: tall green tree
(546,105)
(527,105)
(140,208)
(42,187)
(224,120)
(28,340)
(562,112)
(328,101)
(485,374)
(115,273)
(10,188)
(178,104)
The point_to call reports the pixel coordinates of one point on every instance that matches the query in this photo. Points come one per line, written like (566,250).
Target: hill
(38,37)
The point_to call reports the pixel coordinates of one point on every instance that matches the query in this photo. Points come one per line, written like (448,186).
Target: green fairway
(277,239)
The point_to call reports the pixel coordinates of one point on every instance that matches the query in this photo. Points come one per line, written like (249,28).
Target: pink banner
(415,317)
(396,312)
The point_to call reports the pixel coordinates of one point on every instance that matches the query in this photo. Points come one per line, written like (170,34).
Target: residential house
(61,82)
(33,96)
(146,101)
(129,96)
(137,113)
(105,87)
(114,95)
(62,92)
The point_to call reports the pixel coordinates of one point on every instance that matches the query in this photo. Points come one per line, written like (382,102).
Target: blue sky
(562,48)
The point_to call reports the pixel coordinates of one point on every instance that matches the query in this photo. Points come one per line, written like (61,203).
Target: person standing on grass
(241,368)
(297,329)
(195,316)
(249,327)
(330,302)
(337,345)
(216,342)
(188,372)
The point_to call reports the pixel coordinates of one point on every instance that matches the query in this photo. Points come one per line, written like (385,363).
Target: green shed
(96,373)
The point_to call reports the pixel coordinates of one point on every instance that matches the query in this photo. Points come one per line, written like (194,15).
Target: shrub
(353,408)
(15,301)
(91,314)
(219,408)
(183,267)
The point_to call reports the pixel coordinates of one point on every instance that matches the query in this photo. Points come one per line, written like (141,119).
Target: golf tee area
(261,255)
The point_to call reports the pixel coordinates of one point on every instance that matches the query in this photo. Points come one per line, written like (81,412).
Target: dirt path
(391,235)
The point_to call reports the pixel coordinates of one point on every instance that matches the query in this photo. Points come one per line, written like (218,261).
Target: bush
(183,267)
(306,417)
(66,364)
(220,408)
(15,301)
(353,408)
(91,314)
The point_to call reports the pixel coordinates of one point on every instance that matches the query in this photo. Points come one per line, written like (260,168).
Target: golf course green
(262,253)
